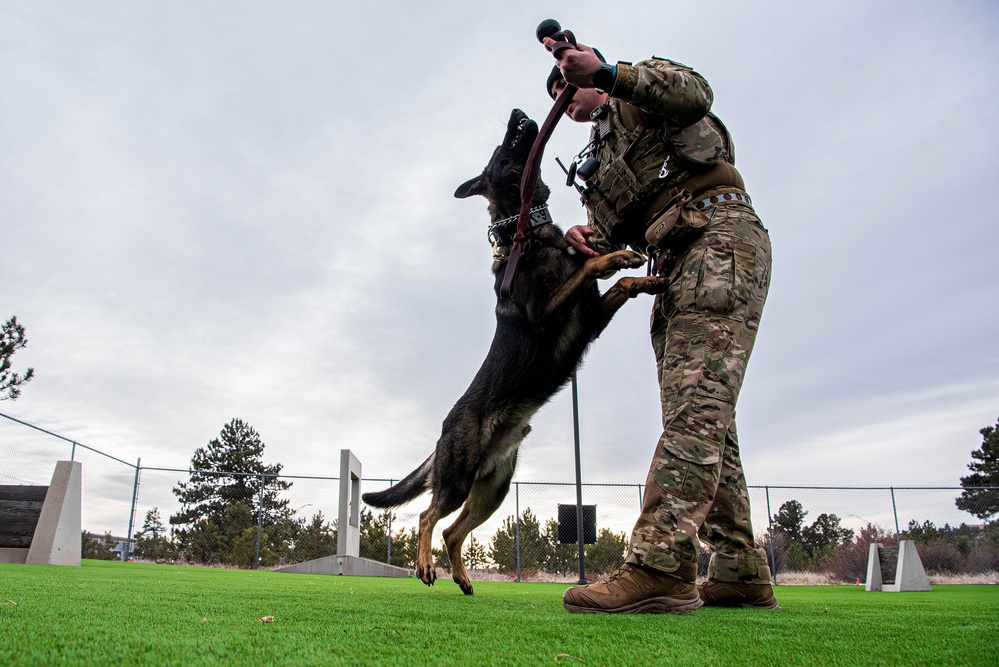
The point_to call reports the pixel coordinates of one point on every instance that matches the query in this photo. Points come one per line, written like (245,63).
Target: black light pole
(579,482)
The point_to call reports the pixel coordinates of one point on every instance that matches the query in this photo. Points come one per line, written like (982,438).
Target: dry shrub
(805,579)
(943,578)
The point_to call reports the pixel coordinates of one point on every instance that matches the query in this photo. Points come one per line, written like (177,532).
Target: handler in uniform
(660,176)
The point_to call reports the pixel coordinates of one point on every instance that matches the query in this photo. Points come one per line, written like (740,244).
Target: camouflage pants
(703,330)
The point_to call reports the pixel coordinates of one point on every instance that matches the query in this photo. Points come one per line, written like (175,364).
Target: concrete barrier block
(57,536)
(896,570)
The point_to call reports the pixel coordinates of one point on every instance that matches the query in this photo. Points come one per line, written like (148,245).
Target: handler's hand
(576,236)
(577,65)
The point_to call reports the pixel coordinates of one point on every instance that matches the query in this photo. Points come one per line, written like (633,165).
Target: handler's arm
(662,89)
(658,87)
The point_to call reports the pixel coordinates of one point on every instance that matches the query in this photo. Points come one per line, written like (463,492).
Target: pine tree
(405,545)
(824,534)
(559,558)
(607,553)
(11,340)
(789,519)
(532,544)
(474,554)
(152,542)
(982,502)
(374,535)
(315,540)
(97,548)
(230,490)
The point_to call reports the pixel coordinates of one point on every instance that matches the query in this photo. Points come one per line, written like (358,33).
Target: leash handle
(528,184)
(564,40)
(552,28)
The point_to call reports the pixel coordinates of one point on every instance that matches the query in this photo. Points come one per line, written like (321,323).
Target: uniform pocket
(697,431)
(714,291)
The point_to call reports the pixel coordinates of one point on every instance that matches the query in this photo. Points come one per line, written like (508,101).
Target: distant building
(119,546)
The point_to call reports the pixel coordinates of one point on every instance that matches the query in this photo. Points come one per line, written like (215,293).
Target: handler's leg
(695,375)
(662,564)
(738,574)
(703,331)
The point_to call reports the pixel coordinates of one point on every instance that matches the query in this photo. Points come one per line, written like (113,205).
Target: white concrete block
(909,572)
(348,533)
(347,565)
(57,536)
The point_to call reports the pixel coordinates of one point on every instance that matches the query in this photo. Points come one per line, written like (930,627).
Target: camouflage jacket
(655,132)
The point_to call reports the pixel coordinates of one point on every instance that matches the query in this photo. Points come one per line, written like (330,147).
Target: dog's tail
(413,485)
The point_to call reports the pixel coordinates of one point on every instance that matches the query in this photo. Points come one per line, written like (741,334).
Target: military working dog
(554,312)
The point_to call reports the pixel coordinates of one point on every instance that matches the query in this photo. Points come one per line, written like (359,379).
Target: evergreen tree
(474,554)
(559,558)
(789,519)
(11,340)
(923,533)
(152,542)
(532,544)
(315,540)
(789,548)
(97,548)
(374,534)
(983,503)
(405,545)
(824,534)
(607,553)
(228,492)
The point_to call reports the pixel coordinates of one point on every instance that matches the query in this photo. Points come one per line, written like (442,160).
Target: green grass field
(130,613)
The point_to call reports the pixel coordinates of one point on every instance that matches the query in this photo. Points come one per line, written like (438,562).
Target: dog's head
(499,182)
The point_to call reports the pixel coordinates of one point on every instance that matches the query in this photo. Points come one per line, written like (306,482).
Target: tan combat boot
(633,590)
(729,594)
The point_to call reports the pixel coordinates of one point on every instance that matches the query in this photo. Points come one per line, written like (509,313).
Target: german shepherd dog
(554,312)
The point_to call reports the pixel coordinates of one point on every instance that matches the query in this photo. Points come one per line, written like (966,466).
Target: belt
(724,197)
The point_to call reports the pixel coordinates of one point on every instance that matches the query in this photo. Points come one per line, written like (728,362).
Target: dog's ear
(475,186)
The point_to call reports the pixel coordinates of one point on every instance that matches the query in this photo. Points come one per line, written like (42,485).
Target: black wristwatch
(604,77)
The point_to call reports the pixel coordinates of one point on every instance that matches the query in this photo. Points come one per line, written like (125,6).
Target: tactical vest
(641,160)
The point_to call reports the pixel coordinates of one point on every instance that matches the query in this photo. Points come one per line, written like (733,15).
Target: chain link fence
(813,535)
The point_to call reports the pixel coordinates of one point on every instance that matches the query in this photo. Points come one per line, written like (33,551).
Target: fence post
(898,536)
(388,557)
(131,515)
(581,550)
(260,517)
(770,522)
(516,493)
(641,504)
(72,452)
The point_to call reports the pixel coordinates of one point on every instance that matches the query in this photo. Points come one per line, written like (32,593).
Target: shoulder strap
(634,118)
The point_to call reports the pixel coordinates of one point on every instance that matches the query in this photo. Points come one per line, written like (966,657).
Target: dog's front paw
(427,573)
(605,266)
(625,259)
(645,285)
(649,285)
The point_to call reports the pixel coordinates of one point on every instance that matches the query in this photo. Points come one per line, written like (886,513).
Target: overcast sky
(244,209)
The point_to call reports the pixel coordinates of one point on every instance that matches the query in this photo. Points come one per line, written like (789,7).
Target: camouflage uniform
(703,326)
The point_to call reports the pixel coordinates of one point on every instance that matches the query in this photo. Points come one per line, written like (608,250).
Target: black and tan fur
(542,331)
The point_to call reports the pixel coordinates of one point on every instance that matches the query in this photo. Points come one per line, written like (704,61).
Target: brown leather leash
(529,181)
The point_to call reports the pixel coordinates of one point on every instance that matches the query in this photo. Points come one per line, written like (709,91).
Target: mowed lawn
(107,613)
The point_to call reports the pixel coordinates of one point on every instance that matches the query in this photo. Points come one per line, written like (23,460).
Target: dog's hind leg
(485,498)
(425,569)
(452,481)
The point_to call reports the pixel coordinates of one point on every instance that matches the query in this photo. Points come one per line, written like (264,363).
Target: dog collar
(501,232)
